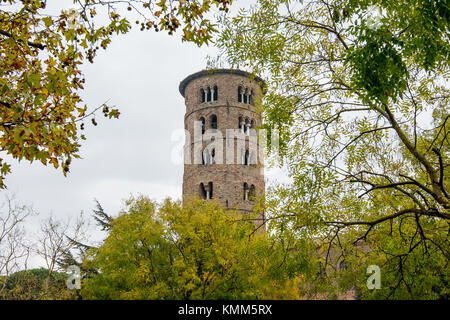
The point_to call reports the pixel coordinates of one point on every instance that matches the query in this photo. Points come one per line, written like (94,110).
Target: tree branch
(31,44)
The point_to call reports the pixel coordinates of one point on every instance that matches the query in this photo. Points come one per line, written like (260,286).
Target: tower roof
(185,82)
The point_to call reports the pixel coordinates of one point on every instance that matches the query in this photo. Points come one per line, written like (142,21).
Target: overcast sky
(139,73)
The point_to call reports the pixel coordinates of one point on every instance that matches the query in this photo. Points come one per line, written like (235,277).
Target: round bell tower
(223,156)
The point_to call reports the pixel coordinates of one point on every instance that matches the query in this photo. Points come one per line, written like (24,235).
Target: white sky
(139,73)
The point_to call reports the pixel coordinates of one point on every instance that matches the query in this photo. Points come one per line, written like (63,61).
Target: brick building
(223,156)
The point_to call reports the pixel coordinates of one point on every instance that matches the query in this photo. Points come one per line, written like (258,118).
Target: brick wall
(228,175)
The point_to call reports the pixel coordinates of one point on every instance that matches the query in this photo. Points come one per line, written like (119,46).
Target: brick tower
(223,158)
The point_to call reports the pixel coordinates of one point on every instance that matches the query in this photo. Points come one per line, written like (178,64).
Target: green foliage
(42,114)
(194,251)
(376,65)
(410,268)
(36,284)
(388,36)
(359,92)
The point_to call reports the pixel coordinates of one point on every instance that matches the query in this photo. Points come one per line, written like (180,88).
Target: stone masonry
(228,169)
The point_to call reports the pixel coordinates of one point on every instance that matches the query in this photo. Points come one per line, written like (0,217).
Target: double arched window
(206,192)
(209,157)
(247,158)
(212,123)
(245,95)
(209,94)
(249,192)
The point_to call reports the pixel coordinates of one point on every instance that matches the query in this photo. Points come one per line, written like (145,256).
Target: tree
(191,251)
(57,238)
(358,92)
(41,111)
(14,247)
(37,284)
(77,248)
(59,244)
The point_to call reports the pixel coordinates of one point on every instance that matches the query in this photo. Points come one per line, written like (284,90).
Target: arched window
(206,192)
(251,128)
(208,94)
(241,124)
(210,191)
(252,193)
(203,94)
(252,158)
(246,161)
(215,93)
(213,120)
(245,95)
(247,126)
(246,191)
(202,191)
(203,124)
(206,157)
(203,157)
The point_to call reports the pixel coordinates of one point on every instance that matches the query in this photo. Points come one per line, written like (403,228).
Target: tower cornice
(188,79)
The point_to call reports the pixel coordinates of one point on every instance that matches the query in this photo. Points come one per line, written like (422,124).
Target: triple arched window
(209,94)
(245,95)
